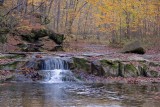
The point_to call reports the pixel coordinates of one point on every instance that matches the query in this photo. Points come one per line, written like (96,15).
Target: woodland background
(114,22)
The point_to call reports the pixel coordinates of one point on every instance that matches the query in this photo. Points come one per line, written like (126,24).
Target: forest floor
(101,50)
(81,47)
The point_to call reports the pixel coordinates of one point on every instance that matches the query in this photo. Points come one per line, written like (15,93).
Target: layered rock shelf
(86,66)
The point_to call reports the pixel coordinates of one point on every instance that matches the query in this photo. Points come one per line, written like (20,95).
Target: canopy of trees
(116,19)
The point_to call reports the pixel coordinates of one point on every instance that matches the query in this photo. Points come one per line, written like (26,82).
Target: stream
(59,88)
(72,94)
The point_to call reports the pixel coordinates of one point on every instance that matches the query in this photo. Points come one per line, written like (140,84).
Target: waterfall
(53,63)
(55,70)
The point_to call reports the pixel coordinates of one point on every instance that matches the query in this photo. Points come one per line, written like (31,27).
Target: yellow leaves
(36,2)
(115,13)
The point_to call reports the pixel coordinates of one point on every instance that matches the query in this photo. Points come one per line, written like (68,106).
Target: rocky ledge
(94,67)
(116,67)
(116,70)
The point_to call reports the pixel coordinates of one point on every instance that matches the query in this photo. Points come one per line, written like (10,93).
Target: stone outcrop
(104,67)
(57,38)
(37,40)
(114,68)
(81,63)
(134,47)
(34,35)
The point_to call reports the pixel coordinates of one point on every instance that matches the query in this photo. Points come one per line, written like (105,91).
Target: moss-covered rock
(82,64)
(57,38)
(30,37)
(105,68)
(129,71)
(153,74)
(112,64)
(30,47)
(110,68)
(12,65)
(12,56)
(115,68)
(40,33)
(34,35)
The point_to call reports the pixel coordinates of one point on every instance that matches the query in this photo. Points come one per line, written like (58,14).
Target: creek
(60,88)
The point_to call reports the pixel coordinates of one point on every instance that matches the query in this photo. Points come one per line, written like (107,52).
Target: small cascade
(53,63)
(47,69)
(55,70)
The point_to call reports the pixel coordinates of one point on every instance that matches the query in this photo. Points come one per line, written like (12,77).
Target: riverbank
(94,67)
(95,62)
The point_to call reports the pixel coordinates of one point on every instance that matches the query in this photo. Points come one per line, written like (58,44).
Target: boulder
(109,68)
(149,70)
(129,70)
(40,33)
(97,69)
(29,37)
(134,47)
(57,38)
(82,63)
(105,68)
(34,35)
(153,74)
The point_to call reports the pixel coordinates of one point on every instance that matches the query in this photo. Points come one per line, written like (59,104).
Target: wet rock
(148,70)
(153,74)
(134,47)
(71,63)
(31,73)
(35,64)
(105,68)
(97,69)
(82,63)
(110,68)
(129,70)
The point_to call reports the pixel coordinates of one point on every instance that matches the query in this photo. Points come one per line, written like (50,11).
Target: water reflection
(78,95)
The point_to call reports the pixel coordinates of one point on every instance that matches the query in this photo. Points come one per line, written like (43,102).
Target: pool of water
(78,95)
